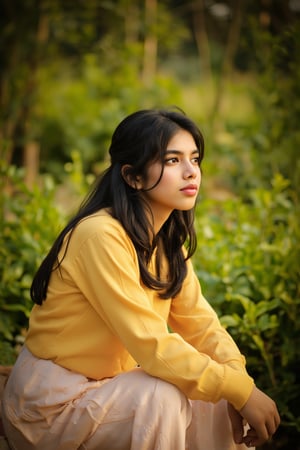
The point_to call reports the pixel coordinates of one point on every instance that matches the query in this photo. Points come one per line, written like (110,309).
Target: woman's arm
(105,269)
(195,320)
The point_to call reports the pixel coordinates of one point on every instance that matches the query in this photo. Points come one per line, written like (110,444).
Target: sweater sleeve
(106,272)
(196,321)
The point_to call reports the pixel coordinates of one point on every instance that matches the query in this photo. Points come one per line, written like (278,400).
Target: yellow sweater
(100,320)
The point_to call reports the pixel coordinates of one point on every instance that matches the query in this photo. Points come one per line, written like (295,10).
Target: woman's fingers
(251,438)
(237,424)
(273,423)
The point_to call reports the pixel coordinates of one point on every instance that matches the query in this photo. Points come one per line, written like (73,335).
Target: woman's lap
(55,408)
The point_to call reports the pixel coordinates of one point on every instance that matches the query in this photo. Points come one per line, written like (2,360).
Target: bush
(30,221)
(248,264)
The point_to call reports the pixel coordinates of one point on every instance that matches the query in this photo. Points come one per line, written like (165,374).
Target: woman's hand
(260,412)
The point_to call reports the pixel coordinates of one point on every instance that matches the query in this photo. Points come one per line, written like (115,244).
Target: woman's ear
(132,180)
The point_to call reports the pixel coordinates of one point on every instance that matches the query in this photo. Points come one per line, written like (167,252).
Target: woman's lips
(190,189)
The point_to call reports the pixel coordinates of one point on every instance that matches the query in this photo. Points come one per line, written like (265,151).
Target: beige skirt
(46,407)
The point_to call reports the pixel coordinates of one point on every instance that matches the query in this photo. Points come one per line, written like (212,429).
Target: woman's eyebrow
(179,152)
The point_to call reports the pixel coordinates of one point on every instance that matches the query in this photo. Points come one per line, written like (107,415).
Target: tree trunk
(230,50)
(131,21)
(150,42)
(31,163)
(16,126)
(202,40)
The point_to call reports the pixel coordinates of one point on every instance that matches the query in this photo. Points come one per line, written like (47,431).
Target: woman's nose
(190,171)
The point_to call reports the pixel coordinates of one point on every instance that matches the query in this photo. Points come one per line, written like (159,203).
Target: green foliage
(258,126)
(276,139)
(248,264)
(83,112)
(30,222)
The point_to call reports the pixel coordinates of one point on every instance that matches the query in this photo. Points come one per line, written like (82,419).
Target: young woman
(100,368)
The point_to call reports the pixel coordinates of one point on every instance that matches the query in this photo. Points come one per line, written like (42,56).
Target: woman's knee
(170,395)
(161,392)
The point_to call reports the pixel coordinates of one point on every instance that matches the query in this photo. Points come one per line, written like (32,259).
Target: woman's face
(180,181)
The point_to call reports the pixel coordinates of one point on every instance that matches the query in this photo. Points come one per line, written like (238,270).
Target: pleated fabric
(47,407)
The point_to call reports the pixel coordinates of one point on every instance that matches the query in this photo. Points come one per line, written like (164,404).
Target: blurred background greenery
(71,70)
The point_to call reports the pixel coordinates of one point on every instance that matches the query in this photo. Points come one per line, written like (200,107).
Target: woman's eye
(196,161)
(172,160)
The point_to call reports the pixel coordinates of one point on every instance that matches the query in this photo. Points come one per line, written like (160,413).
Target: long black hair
(138,140)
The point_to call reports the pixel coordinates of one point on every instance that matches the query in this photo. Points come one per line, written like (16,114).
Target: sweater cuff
(237,387)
